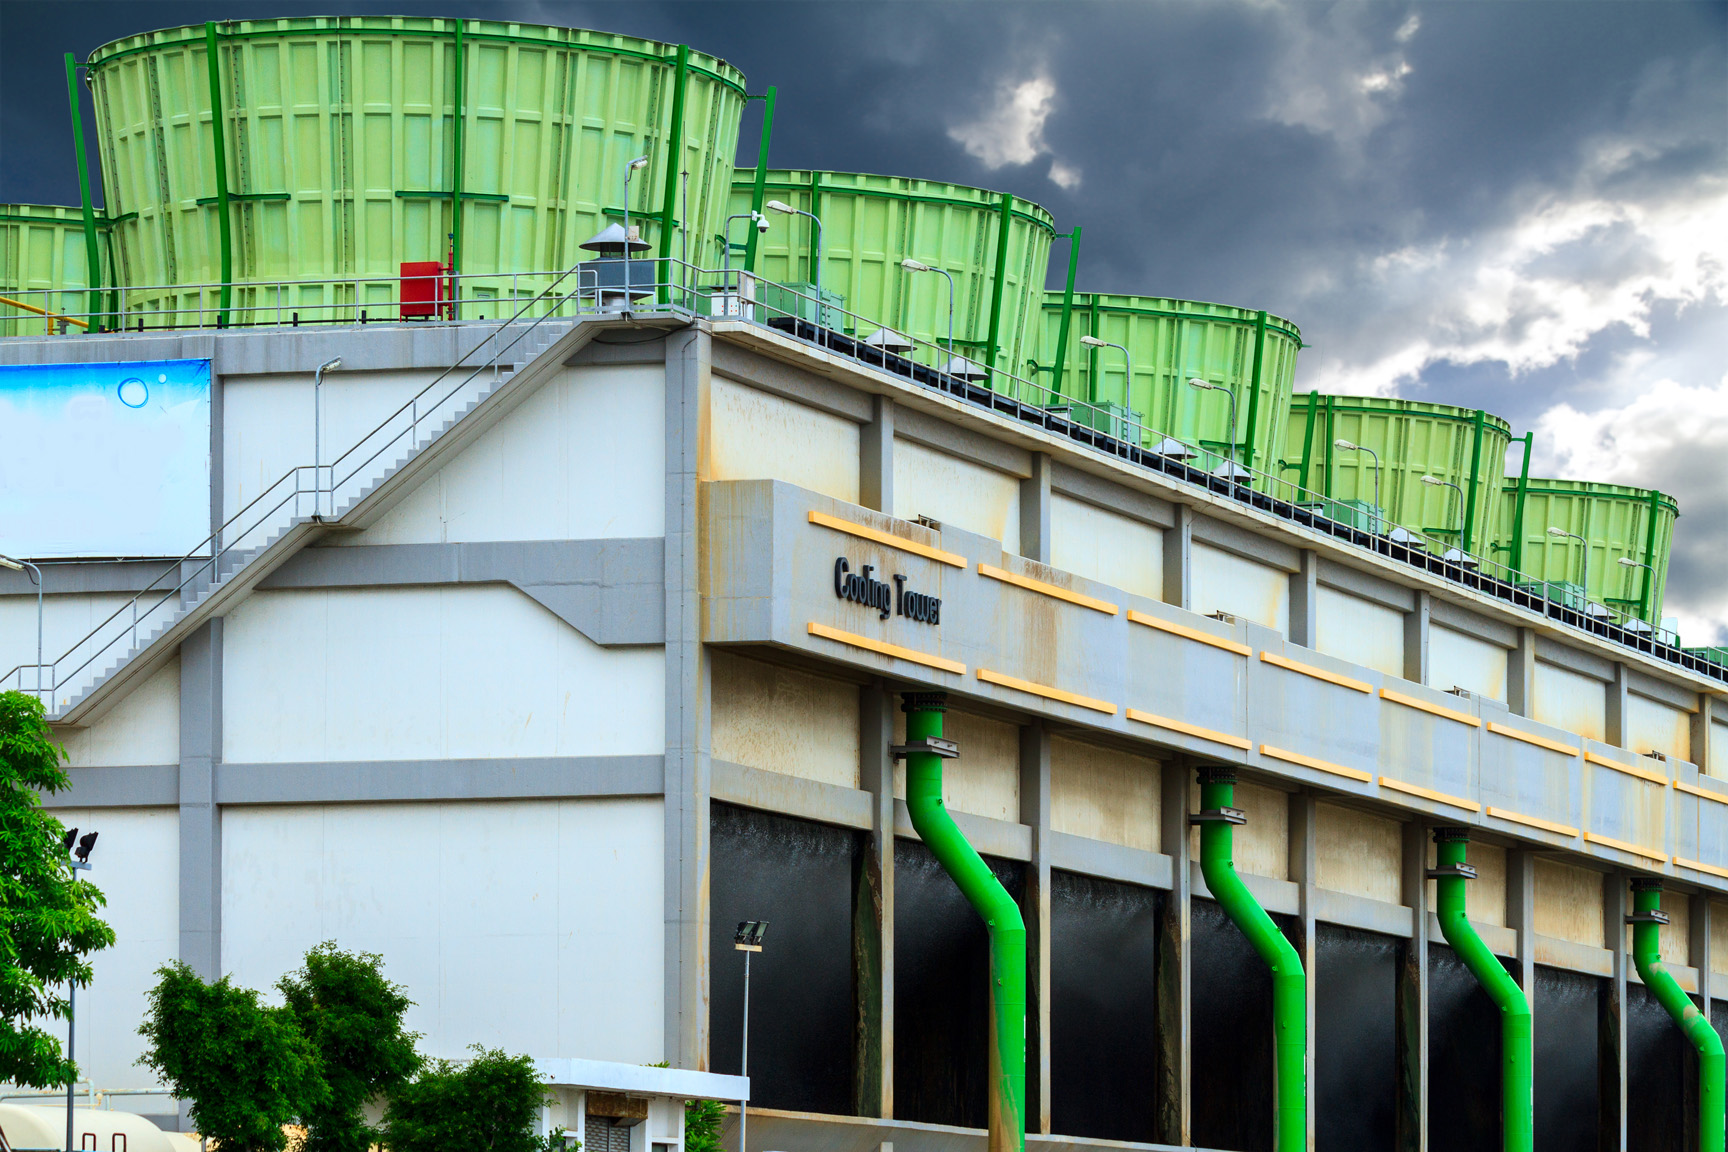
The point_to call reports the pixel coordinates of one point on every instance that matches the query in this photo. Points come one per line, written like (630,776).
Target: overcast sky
(1518,206)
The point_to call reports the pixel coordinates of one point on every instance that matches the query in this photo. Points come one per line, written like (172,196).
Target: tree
(702,1120)
(488,1104)
(246,1067)
(48,920)
(353,1017)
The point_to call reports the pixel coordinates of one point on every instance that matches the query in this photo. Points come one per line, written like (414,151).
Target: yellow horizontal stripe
(1432,709)
(864,532)
(1138,617)
(1318,673)
(1532,821)
(1046,589)
(1317,765)
(883,648)
(1430,794)
(1621,845)
(1630,769)
(1189,729)
(1539,741)
(1698,866)
(1697,791)
(1046,691)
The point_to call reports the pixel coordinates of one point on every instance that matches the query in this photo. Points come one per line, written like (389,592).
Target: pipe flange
(1217,774)
(923,701)
(1451,834)
(1219,816)
(1646,884)
(931,745)
(1452,872)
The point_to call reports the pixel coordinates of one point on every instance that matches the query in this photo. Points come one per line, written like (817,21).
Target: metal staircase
(348,493)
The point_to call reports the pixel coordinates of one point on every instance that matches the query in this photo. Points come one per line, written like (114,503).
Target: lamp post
(1127,362)
(1436,482)
(1559,533)
(761,223)
(747,939)
(1628,562)
(36,576)
(912,265)
(329,365)
(786,209)
(629,169)
(79,861)
(1208,386)
(1347,446)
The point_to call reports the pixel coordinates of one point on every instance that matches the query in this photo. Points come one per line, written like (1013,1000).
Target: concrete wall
(1652,726)
(1104,794)
(985,778)
(782,719)
(1359,852)
(1106,546)
(955,491)
(1459,660)
(1360,631)
(1569,903)
(1571,700)
(757,435)
(1263,844)
(144,728)
(1226,582)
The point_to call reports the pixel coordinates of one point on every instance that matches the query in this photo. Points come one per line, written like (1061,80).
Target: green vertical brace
(92,258)
(218,116)
(1331,434)
(1253,394)
(1217,818)
(1469,537)
(1518,505)
(1644,605)
(674,154)
(1308,439)
(457,133)
(1067,315)
(1516,1102)
(760,191)
(1647,920)
(1092,352)
(1001,916)
(1001,275)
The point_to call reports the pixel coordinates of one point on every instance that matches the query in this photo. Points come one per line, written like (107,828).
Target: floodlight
(67,840)
(748,938)
(87,842)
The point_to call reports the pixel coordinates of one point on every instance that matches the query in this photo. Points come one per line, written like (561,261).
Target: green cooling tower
(1635,523)
(1461,447)
(43,263)
(1253,354)
(871,223)
(345,142)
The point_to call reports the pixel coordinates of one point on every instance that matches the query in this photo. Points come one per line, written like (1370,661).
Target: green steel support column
(1644,606)
(1518,505)
(1253,394)
(1469,535)
(1001,275)
(674,152)
(1308,439)
(1517,1104)
(1289,985)
(1647,919)
(1067,314)
(760,191)
(990,900)
(457,133)
(815,256)
(92,258)
(1092,353)
(1331,434)
(218,130)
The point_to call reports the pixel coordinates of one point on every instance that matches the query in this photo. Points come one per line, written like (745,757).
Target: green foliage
(488,1104)
(48,920)
(353,1017)
(702,1120)
(246,1068)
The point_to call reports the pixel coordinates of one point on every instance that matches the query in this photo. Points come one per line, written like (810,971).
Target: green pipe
(217,131)
(760,191)
(456,183)
(674,153)
(1067,314)
(1217,818)
(1475,475)
(989,899)
(1647,919)
(1517,1125)
(1644,606)
(1253,392)
(1001,275)
(1308,440)
(92,259)
(1518,505)
(1331,435)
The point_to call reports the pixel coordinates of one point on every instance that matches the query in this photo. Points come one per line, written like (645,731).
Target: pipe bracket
(1654,916)
(1219,816)
(929,745)
(1452,872)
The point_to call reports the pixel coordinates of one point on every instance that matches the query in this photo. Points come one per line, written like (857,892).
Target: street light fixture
(36,578)
(1207,386)
(786,209)
(1436,482)
(629,170)
(78,861)
(747,939)
(1128,367)
(912,265)
(1348,446)
(1559,533)
(329,365)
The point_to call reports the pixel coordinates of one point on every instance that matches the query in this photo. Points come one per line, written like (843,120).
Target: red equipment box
(422,291)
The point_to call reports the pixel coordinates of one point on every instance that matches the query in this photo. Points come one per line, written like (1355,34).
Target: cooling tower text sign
(104,459)
(862,587)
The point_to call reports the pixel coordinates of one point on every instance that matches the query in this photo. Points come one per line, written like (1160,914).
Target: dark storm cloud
(1483,204)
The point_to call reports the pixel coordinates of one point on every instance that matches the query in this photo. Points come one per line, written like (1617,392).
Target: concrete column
(1615,906)
(200,818)
(1174,977)
(1035,907)
(1305,601)
(1416,624)
(687,865)
(1521,674)
(1179,560)
(1698,944)
(1304,872)
(1521,918)
(1701,721)
(873,911)
(1616,729)
(876,457)
(1035,510)
(1412,999)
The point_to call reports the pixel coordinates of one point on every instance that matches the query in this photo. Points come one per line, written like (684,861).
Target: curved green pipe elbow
(1517,1106)
(1647,954)
(992,902)
(1289,985)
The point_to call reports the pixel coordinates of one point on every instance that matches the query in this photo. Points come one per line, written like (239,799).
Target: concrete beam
(1035,510)
(390,781)
(1179,559)
(1305,601)
(876,457)
(1416,626)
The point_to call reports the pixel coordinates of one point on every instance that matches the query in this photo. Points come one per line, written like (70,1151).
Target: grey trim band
(1069,481)
(139,786)
(972,447)
(1248,545)
(91,576)
(1366,585)
(791,795)
(788,383)
(611,591)
(382,781)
